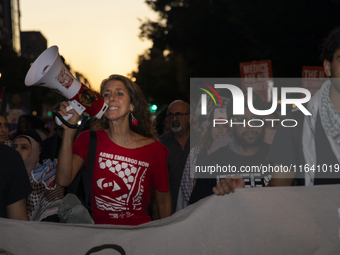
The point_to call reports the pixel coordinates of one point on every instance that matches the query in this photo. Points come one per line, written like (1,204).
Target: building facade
(33,43)
(10,24)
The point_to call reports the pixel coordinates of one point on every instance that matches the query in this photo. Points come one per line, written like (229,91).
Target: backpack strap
(87,174)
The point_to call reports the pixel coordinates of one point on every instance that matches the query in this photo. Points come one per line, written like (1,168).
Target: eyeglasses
(178,115)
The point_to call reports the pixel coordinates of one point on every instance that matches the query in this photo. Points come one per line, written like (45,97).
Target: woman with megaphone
(129,162)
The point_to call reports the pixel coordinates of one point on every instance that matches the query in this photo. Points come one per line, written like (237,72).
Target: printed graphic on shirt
(121,182)
(252,180)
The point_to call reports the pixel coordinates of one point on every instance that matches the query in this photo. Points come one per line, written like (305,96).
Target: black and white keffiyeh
(330,120)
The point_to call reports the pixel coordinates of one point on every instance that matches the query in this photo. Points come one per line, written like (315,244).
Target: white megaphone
(49,71)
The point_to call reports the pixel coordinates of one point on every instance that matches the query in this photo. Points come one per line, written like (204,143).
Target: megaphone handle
(63,119)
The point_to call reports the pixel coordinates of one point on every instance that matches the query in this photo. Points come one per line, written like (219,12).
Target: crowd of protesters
(145,167)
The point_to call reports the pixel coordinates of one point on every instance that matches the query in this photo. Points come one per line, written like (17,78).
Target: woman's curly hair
(146,124)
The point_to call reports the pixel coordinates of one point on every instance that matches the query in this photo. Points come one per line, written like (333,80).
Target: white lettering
(106,155)
(219,121)
(297,101)
(289,120)
(256,68)
(142,163)
(126,159)
(261,112)
(261,121)
(238,100)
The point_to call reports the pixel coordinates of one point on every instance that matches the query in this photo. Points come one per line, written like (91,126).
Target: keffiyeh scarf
(330,120)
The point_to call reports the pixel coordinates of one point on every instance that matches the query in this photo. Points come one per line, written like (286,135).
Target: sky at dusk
(97,38)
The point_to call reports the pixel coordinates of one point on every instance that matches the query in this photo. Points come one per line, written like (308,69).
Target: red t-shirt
(122,179)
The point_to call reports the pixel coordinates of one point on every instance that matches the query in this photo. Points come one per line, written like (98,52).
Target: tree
(209,38)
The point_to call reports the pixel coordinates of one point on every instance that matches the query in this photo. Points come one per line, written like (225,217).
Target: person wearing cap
(312,148)
(198,153)
(246,149)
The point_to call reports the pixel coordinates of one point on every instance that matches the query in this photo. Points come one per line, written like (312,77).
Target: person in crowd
(43,158)
(162,123)
(15,109)
(29,121)
(129,161)
(245,149)
(177,140)
(43,201)
(16,103)
(4,130)
(45,132)
(269,135)
(199,153)
(51,145)
(14,185)
(314,141)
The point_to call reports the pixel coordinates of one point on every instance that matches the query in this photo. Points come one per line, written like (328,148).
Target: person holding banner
(245,151)
(129,161)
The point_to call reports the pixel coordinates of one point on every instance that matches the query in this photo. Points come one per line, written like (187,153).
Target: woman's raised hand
(69,114)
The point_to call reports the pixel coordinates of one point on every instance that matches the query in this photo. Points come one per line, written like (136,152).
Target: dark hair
(146,126)
(3,115)
(93,124)
(331,45)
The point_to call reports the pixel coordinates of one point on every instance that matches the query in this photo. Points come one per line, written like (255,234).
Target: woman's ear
(132,107)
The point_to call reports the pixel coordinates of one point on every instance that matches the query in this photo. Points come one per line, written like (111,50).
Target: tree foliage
(209,38)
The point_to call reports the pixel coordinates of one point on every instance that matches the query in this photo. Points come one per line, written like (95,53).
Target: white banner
(287,220)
